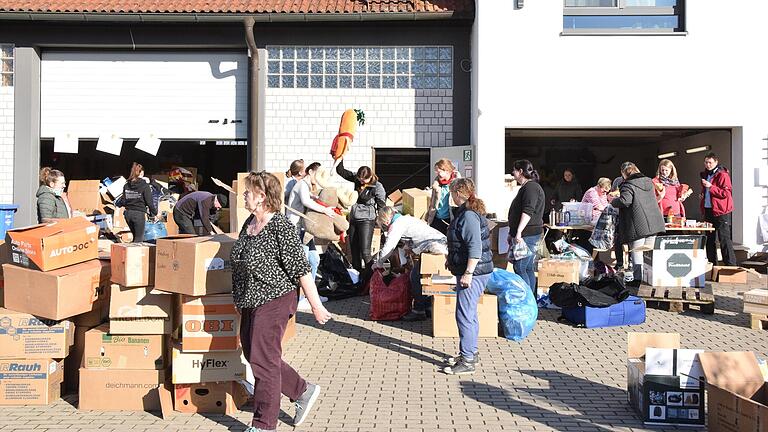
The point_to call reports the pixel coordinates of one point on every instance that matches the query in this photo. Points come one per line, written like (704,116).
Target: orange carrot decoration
(347,129)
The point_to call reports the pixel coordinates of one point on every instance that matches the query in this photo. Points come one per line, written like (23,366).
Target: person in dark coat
(567,190)
(137,199)
(716,207)
(51,199)
(640,219)
(197,205)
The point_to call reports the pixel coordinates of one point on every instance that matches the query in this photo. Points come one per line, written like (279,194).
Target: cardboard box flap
(736,371)
(734,269)
(83,185)
(638,342)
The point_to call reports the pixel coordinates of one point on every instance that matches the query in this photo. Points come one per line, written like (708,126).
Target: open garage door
(595,153)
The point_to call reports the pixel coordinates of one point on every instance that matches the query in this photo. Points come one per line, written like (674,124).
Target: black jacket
(639,214)
(137,196)
(458,248)
(370,199)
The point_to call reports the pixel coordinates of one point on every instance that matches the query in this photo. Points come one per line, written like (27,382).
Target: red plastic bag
(390,302)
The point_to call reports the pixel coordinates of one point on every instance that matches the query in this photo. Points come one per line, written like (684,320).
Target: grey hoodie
(639,214)
(50,206)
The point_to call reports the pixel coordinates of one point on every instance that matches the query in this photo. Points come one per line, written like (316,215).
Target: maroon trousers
(261,334)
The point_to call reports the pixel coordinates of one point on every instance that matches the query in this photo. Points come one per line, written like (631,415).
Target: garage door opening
(402,168)
(595,153)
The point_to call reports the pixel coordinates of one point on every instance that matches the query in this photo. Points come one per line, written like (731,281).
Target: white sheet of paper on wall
(149,144)
(111,144)
(65,143)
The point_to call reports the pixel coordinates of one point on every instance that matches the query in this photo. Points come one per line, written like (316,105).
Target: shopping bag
(518,310)
(154,231)
(390,302)
(520,251)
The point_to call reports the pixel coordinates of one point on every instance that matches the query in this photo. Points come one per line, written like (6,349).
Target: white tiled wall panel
(301,123)
(6,145)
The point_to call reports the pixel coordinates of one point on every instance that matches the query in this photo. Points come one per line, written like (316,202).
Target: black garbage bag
(334,281)
(611,285)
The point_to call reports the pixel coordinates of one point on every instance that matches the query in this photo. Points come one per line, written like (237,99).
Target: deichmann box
(60,293)
(26,336)
(416,202)
(30,382)
(192,368)
(54,245)
(133,264)
(444,316)
(552,271)
(212,397)
(209,323)
(194,266)
(737,391)
(139,311)
(107,351)
(663,381)
(120,389)
(676,261)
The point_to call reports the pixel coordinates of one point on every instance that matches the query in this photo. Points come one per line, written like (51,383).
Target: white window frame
(621,9)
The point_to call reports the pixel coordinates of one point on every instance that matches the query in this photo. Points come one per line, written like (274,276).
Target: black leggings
(360,237)
(136,220)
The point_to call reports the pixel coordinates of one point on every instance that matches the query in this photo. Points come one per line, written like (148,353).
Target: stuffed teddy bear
(346,195)
(321,226)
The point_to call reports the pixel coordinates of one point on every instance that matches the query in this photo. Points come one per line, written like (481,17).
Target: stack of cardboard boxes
(52,279)
(756,304)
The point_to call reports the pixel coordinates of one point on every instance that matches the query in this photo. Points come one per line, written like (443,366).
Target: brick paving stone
(384,377)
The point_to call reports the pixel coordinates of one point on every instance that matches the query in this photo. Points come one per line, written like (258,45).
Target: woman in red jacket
(670,193)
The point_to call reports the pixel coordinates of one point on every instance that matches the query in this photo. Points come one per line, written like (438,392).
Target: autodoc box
(26,336)
(54,245)
(194,266)
(30,382)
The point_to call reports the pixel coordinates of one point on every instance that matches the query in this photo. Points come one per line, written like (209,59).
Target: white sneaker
(304,305)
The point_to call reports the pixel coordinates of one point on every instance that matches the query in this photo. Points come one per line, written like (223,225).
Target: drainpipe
(253,95)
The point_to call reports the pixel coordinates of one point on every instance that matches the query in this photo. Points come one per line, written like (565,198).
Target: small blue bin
(6,218)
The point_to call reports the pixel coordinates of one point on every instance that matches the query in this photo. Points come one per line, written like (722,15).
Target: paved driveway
(382,377)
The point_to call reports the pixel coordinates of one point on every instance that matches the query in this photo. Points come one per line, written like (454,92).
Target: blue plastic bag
(154,231)
(518,310)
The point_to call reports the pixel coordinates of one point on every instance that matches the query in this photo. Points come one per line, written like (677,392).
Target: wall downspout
(253,95)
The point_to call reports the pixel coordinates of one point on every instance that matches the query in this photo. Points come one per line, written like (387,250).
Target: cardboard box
(499,231)
(434,264)
(376,241)
(107,351)
(120,389)
(133,264)
(416,202)
(732,274)
(212,397)
(118,218)
(30,382)
(223,221)
(757,296)
(26,336)
(84,196)
(237,211)
(737,391)
(54,245)
(192,367)
(552,271)
(195,266)
(676,261)
(139,311)
(661,380)
(209,323)
(395,197)
(60,293)
(165,212)
(75,361)
(444,316)
(96,317)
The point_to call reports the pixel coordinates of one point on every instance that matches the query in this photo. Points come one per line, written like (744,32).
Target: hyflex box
(54,245)
(209,323)
(191,368)
(194,265)
(30,382)
(26,336)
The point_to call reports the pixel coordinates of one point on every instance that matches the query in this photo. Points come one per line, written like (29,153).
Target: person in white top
(294,174)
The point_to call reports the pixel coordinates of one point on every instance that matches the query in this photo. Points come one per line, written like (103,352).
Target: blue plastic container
(7,212)
(629,312)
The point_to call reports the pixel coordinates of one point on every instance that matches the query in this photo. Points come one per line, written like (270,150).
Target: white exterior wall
(6,145)
(526,75)
(301,123)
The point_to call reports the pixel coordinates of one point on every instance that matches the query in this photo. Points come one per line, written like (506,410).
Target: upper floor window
(6,65)
(623,16)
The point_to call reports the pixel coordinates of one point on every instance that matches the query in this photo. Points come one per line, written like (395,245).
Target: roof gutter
(231,17)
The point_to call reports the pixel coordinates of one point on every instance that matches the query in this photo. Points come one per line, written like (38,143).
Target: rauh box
(30,382)
(29,337)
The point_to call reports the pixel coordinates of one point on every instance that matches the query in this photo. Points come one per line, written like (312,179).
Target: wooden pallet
(759,322)
(677,299)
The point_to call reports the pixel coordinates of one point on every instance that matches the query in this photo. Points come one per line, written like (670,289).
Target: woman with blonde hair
(598,197)
(670,193)
(471,261)
(439,216)
(268,265)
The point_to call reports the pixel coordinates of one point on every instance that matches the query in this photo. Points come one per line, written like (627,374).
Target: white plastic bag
(520,251)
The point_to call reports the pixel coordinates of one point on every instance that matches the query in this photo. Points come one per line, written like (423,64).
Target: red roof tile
(238,6)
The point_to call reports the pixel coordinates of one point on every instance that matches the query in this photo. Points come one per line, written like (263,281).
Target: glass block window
(6,65)
(417,67)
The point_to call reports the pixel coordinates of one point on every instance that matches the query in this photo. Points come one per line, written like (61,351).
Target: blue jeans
(526,267)
(314,259)
(466,314)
